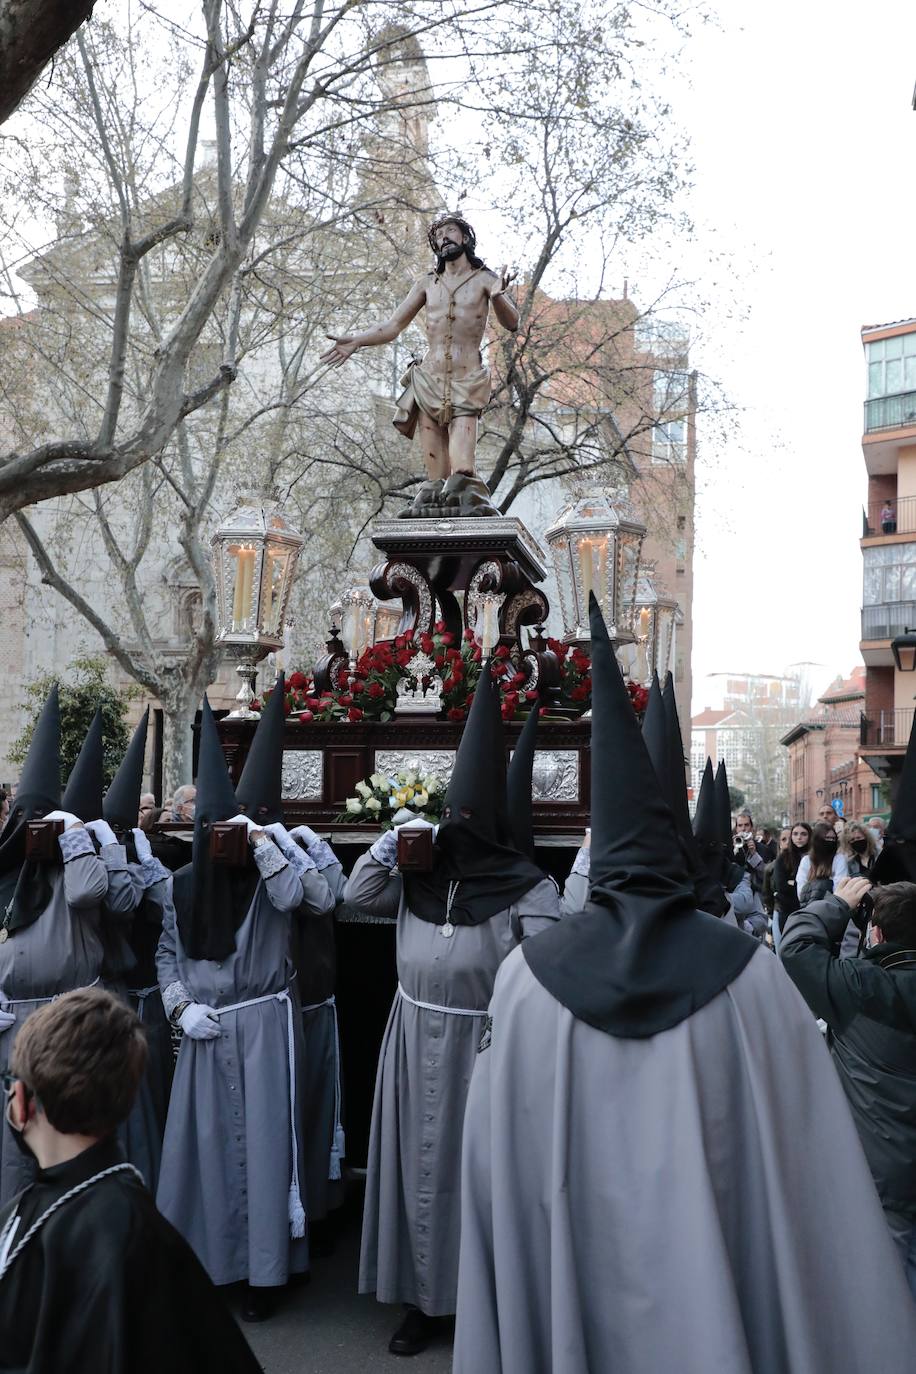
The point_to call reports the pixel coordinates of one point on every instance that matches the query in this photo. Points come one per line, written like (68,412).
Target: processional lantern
(255,551)
(596,543)
(653,618)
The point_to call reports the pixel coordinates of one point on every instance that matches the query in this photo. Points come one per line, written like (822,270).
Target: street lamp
(653,618)
(904,650)
(255,551)
(596,545)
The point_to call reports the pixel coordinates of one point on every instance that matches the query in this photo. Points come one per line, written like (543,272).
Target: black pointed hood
(639,958)
(655,733)
(211,900)
(707,889)
(712,857)
(723,805)
(24,885)
(83,793)
(259,791)
(519,785)
(474,845)
(121,807)
(706,816)
(897,860)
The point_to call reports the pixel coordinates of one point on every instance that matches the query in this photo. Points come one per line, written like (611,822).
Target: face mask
(859,846)
(17,1134)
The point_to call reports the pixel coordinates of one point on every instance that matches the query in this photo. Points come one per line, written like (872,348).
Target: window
(889,574)
(891,366)
(876,796)
(670,401)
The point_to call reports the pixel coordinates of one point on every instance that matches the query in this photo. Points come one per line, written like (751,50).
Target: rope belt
(295,1209)
(141,995)
(339,1143)
(449,1011)
(8,1252)
(39,1001)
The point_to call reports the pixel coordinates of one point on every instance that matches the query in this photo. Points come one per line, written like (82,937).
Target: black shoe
(258,1304)
(413,1335)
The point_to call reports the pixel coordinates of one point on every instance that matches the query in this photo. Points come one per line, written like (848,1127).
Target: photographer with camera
(748,900)
(869,1005)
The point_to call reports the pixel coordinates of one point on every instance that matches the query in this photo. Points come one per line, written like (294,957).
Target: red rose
(498,669)
(255,705)
(468,635)
(306,715)
(439,660)
(532,695)
(354,713)
(450,684)
(297,681)
(403,658)
(579,693)
(345,700)
(426,644)
(502,651)
(375,690)
(287,706)
(475,653)
(358,685)
(508,710)
(453,655)
(517,679)
(456,713)
(439,627)
(448,639)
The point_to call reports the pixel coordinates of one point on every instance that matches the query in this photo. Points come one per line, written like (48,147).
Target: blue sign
(837,805)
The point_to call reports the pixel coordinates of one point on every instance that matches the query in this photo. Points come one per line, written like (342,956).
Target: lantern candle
(644,623)
(244,576)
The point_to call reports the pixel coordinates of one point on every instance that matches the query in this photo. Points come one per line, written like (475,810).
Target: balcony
(888,620)
(886,730)
(890,412)
(902,518)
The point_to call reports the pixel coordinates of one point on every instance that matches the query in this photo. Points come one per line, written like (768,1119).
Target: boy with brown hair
(91,1276)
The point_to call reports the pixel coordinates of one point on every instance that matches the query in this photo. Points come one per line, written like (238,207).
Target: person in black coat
(869,1005)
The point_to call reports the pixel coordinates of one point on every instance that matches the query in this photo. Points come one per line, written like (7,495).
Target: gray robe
(58,952)
(412,1209)
(144,1128)
(693,1202)
(227,1154)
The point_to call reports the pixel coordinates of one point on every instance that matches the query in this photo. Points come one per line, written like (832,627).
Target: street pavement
(325,1327)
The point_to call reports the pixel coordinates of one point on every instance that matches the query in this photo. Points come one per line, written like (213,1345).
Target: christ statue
(445,393)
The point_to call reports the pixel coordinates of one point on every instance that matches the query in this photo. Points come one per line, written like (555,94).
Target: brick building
(824,763)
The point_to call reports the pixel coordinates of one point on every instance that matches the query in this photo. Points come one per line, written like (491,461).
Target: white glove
(102,832)
(7,1018)
(67,817)
(385,849)
(199,1022)
(280,835)
(244,820)
(304,832)
(142,845)
(417,823)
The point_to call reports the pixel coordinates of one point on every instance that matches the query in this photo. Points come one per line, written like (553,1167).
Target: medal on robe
(448,929)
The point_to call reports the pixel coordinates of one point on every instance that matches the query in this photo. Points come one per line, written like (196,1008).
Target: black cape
(108,1284)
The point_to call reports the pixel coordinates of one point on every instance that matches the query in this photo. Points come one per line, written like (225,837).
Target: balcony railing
(887,729)
(895,516)
(888,620)
(890,412)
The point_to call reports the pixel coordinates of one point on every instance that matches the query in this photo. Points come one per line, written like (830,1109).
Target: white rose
(363,789)
(420,798)
(378,780)
(432,786)
(373,804)
(409,778)
(354,804)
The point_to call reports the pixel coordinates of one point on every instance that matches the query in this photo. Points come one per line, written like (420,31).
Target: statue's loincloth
(439,397)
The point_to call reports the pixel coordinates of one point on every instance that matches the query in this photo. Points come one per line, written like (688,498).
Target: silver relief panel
(555,775)
(302,776)
(438,762)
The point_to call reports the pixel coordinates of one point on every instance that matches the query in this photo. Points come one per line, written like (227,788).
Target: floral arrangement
(379,798)
(369,692)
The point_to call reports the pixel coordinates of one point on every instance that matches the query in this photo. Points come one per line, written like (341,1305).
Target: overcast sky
(805,147)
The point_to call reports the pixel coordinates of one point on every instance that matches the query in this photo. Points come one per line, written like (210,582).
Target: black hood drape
(474,845)
(83,793)
(259,791)
(211,900)
(639,958)
(712,859)
(708,891)
(25,888)
(732,873)
(518,787)
(897,861)
(121,807)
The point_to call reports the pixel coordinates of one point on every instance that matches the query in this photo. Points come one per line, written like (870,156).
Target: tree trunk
(177,752)
(31,31)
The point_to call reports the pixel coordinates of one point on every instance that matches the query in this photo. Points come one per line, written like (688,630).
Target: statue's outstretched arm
(346,344)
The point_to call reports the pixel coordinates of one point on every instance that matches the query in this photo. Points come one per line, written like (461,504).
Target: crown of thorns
(453,218)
